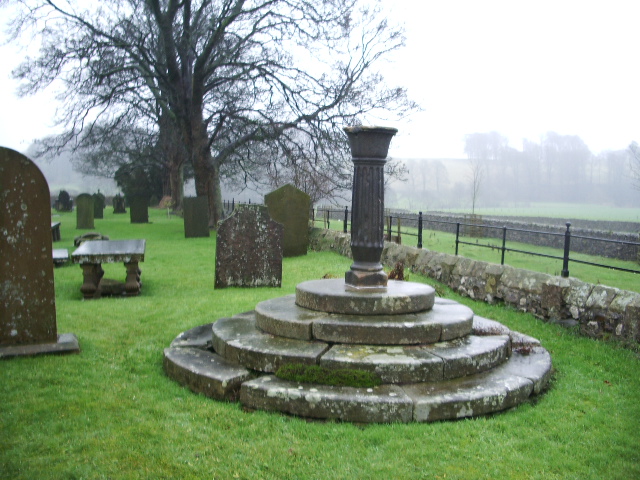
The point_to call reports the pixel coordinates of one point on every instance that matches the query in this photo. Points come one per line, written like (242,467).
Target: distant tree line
(559,168)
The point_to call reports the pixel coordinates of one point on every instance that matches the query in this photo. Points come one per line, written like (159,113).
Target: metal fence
(474,229)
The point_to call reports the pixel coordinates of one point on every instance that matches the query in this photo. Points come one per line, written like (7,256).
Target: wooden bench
(91,255)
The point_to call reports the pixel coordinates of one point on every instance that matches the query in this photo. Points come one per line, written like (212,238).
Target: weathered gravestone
(118,204)
(139,209)
(249,249)
(98,205)
(27,296)
(84,212)
(196,217)
(290,206)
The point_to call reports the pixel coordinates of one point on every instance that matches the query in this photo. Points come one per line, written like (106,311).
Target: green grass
(446,243)
(111,413)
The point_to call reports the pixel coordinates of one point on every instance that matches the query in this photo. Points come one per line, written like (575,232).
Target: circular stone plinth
(331,296)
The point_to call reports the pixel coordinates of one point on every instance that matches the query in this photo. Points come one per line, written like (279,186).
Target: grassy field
(446,243)
(111,413)
(565,211)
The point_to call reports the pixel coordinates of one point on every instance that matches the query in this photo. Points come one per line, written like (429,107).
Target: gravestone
(139,209)
(84,212)
(249,249)
(196,217)
(98,205)
(290,206)
(27,297)
(118,204)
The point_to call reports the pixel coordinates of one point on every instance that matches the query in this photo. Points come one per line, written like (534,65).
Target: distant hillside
(60,175)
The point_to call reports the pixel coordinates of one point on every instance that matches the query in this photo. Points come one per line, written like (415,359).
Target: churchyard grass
(111,413)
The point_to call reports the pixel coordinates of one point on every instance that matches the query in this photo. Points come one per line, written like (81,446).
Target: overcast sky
(518,67)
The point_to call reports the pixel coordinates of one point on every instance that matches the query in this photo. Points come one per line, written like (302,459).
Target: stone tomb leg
(91,255)
(27,298)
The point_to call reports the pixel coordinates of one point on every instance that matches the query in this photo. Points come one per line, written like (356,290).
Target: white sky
(519,67)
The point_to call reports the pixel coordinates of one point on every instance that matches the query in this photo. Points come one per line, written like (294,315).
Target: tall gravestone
(290,206)
(249,249)
(27,295)
(98,205)
(84,212)
(196,217)
(139,209)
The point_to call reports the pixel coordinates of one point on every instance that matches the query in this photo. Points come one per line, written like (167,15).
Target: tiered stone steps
(436,363)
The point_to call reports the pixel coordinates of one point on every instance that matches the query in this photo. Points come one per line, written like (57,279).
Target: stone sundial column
(369,148)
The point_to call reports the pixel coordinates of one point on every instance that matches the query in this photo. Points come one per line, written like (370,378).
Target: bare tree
(223,76)
(634,164)
(476,176)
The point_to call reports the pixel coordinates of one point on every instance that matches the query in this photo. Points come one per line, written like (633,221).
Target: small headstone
(196,217)
(27,297)
(249,249)
(139,209)
(290,206)
(118,204)
(84,212)
(98,205)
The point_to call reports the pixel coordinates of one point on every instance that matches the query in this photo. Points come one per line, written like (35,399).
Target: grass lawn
(111,413)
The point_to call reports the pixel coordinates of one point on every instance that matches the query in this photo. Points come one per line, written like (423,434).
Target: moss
(339,377)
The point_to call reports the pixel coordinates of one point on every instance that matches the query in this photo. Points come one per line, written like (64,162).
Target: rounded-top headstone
(27,296)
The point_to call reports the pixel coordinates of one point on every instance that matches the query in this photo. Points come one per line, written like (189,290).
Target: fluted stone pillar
(369,148)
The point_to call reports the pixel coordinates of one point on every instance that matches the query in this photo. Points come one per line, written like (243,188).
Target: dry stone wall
(597,310)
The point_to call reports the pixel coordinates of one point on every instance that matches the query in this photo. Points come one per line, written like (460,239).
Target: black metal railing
(474,230)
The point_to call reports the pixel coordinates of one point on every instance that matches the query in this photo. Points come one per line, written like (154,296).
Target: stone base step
(238,340)
(424,363)
(501,388)
(446,320)
(331,295)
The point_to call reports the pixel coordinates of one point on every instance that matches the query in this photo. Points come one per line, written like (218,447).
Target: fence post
(233,204)
(389,228)
(567,247)
(346,217)
(328,217)
(420,230)
(457,236)
(504,243)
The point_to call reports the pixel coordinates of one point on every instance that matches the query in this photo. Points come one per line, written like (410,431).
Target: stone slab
(281,316)
(330,295)
(196,217)
(249,249)
(197,337)
(239,340)
(67,343)
(383,404)
(471,354)
(205,372)
(60,256)
(445,321)
(290,207)
(84,212)
(535,365)
(484,326)
(468,396)
(110,251)
(393,364)
(27,293)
